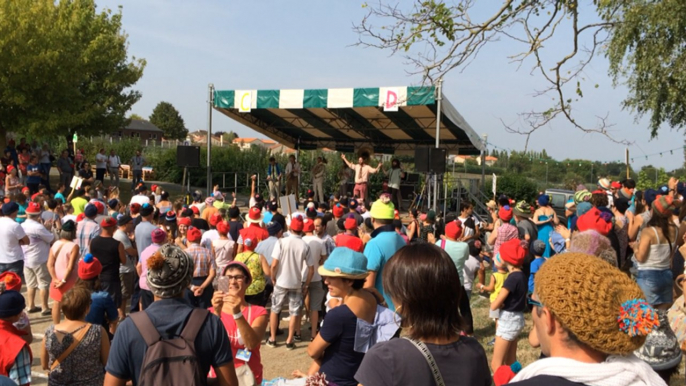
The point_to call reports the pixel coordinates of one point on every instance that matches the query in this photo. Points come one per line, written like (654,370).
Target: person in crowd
(141,197)
(65,167)
(333,350)
(223,247)
(211,235)
(137,162)
(74,352)
(315,292)
(12,238)
(512,302)
(45,162)
(413,226)
(209,210)
(22,200)
(425,287)
(589,341)
(494,287)
(344,175)
(114,167)
(170,271)
(127,272)
(33,175)
(15,357)
(111,254)
(181,237)
(538,249)
(245,323)
(349,238)
(362,172)
(103,310)
(62,262)
(332,225)
(459,253)
(546,220)
(274,178)
(395,176)
(353,204)
(143,231)
(87,229)
(505,231)
(472,266)
(318,172)
(254,231)
(36,259)
(12,182)
(100,165)
(24,159)
(471,226)
(235,223)
(7,160)
(292,177)
(158,237)
(199,294)
(79,201)
(290,257)
(86,174)
(164,204)
(259,269)
(384,244)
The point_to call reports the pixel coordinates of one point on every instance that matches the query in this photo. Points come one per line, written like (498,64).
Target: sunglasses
(534,302)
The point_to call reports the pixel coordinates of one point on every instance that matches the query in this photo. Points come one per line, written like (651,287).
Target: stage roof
(393,120)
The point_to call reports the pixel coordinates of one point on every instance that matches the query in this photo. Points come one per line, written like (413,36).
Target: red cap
(616,185)
(297,224)
(25,190)
(135,208)
(194,235)
(215,219)
(108,222)
(591,220)
(100,207)
(10,168)
(453,229)
(12,281)
(195,210)
(350,241)
(338,211)
(80,217)
(153,187)
(34,196)
(350,223)
(223,227)
(505,213)
(254,215)
(512,252)
(184,221)
(89,267)
(308,225)
(33,208)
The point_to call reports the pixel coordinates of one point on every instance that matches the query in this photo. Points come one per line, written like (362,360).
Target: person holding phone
(245,323)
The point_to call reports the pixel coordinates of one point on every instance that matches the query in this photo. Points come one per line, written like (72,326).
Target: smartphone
(223,284)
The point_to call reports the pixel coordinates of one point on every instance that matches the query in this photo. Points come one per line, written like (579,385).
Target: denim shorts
(510,325)
(656,285)
(16,267)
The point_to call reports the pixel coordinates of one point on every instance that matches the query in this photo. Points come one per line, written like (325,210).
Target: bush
(516,187)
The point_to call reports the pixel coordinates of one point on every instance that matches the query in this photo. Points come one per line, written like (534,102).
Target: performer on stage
(343,177)
(362,172)
(292,177)
(395,175)
(318,178)
(274,179)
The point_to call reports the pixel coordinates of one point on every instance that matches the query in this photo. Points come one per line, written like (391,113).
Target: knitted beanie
(89,267)
(596,302)
(661,349)
(383,209)
(664,205)
(170,271)
(592,220)
(581,196)
(593,243)
(505,213)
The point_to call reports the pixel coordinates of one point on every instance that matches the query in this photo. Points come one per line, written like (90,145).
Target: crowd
(157,291)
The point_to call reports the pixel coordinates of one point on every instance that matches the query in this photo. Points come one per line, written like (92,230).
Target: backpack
(170,361)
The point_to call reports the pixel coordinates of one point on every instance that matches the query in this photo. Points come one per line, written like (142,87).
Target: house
(139,128)
(490,160)
(460,159)
(200,137)
(245,143)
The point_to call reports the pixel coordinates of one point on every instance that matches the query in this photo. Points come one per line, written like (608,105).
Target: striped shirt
(202,259)
(86,231)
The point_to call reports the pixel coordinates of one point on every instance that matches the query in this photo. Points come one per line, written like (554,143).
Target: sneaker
(297,338)
(32,310)
(271,343)
(491,342)
(290,346)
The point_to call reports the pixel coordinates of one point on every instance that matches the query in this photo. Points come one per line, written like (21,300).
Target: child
(495,286)
(537,249)
(102,310)
(15,355)
(512,302)
(472,266)
(201,290)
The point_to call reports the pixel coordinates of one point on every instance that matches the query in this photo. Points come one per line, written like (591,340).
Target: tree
(65,68)
(167,118)
(136,116)
(644,41)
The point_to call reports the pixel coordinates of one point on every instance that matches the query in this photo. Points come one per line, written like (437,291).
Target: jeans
(656,285)
(114,177)
(100,175)
(137,178)
(16,267)
(65,179)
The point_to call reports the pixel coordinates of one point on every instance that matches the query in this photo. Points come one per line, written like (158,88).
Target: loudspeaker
(429,160)
(188,156)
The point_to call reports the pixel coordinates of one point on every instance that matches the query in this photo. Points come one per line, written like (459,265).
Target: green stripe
(315,99)
(365,97)
(421,96)
(224,99)
(268,99)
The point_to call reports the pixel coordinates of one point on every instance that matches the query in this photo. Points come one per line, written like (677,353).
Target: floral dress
(84,365)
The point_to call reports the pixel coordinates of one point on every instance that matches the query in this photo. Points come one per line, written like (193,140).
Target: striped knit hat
(664,205)
(581,196)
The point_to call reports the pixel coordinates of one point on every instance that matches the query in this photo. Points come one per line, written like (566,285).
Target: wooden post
(627,164)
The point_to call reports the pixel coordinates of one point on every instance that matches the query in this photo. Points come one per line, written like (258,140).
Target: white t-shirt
(123,238)
(114,161)
(36,253)
(100,161)
(68,217)
(10,234)
(293,254)
(471,267)
(318,250)
(466,232)
(209,236)
(140,199)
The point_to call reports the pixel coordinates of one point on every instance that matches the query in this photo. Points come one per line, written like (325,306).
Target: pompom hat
(89,267)
(170,271)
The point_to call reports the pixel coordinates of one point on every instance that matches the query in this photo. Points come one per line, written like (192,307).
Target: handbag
(438,378)
(77,340)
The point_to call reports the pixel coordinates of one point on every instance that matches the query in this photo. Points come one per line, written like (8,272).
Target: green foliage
(168,119)
(651,177)
(517,187)
(65,68)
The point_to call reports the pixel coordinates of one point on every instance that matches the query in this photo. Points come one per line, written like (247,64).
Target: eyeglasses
(534,302)
(236,277)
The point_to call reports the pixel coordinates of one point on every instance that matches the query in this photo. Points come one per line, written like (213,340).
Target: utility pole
(546,174)
(483,161)
(210,102)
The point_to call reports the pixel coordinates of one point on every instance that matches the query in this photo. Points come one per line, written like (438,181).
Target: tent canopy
(392,120)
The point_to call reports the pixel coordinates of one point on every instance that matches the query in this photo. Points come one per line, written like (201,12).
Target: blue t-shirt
(341,361)
(21,214)
(101,305)
(535,266)
(212,345)
(33,179)
(384,244)
(267,218)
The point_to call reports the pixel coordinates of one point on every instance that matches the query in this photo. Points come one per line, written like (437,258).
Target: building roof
(139,124)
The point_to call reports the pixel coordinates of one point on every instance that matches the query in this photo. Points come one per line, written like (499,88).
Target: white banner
(244,99)
(495,184)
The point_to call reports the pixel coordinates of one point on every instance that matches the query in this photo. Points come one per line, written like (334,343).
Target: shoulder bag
(438,378)
(78,337)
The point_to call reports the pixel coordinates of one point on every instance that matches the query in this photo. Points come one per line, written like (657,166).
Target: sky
(304,44)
